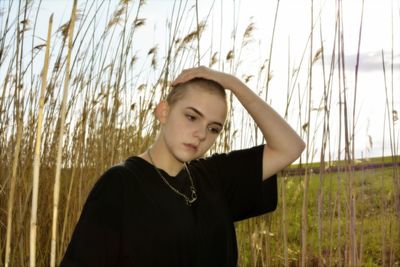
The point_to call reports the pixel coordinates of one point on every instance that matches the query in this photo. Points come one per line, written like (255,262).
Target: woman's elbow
(301,147)
(297,150)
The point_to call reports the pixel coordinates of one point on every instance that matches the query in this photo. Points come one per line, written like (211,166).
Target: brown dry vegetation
(65,120)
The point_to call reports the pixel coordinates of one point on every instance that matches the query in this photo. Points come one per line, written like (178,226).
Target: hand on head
(227,81)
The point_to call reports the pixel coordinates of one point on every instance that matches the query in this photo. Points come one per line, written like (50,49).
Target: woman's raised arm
(283,144)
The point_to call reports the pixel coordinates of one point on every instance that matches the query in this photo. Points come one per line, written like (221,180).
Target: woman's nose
(201,133)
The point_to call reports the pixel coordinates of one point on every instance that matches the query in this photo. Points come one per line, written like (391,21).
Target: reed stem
(56,192)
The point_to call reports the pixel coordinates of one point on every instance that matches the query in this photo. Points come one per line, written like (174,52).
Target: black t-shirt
(132,218)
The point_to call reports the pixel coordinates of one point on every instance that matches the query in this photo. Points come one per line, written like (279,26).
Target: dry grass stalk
(19,75)
(12,192)
(194,34)
(304,212)
(269,76)
(36,163)
(392,141)
(3,118)
(56,192)
(284,223)
(356,252)
(198,32)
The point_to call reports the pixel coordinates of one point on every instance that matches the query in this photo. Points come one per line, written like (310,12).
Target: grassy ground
(261,240)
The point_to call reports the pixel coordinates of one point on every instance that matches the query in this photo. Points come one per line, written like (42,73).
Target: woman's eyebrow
(202,115)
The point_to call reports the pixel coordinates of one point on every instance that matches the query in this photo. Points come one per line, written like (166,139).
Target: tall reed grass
(89,106)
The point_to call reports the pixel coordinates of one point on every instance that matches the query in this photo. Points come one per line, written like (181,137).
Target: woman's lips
(191,147)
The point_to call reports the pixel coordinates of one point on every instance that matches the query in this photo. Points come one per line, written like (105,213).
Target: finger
(191,73)
(187,75)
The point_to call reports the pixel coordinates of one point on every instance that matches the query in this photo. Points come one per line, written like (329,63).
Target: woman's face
(192,124)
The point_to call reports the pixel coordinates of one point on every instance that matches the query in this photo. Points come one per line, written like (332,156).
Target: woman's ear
(162,110)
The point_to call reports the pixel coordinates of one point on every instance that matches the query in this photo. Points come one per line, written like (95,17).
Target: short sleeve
(246,193)
(96,238)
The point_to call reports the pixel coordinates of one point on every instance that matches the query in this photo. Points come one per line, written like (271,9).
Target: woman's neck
(159,155)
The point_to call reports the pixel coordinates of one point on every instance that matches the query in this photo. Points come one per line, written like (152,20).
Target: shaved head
(178,92)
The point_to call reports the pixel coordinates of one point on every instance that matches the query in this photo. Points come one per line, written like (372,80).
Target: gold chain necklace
(189,201)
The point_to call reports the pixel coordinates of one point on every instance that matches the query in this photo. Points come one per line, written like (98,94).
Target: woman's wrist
(236,85)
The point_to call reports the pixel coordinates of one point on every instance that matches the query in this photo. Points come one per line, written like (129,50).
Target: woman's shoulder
(117,176)
(134,165)
(115,172)
(114,175)
(108,184)
(116,169)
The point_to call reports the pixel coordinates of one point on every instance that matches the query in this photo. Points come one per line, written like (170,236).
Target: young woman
(171,207)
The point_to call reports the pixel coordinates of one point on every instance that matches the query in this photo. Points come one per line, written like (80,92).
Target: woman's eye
(214,130)
(190,117)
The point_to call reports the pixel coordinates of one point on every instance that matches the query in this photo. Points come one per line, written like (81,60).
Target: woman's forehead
(211,105)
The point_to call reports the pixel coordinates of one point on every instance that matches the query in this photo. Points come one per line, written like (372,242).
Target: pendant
(189,202)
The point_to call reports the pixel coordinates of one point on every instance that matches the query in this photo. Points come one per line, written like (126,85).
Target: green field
(331,198)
